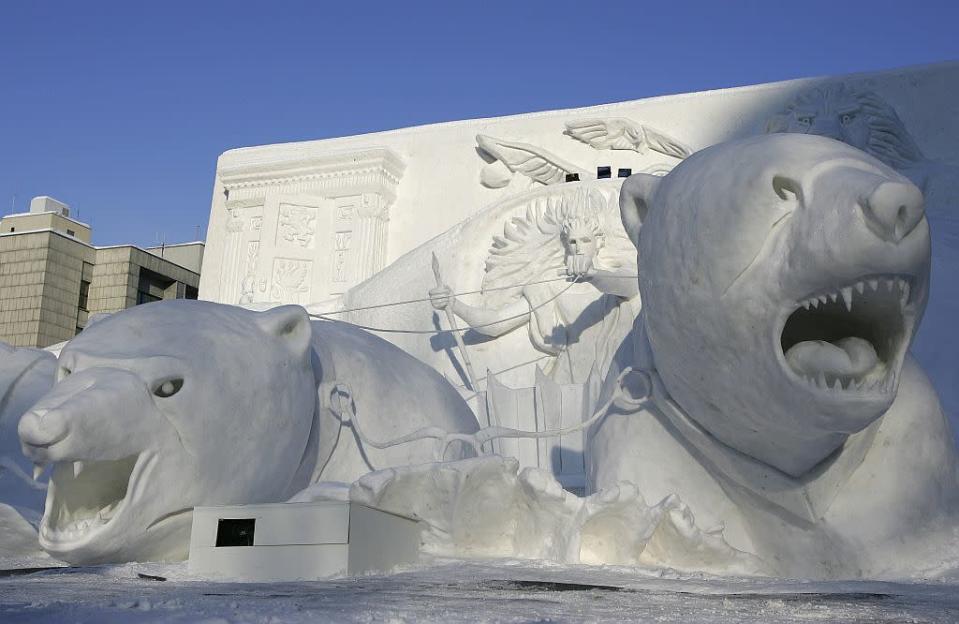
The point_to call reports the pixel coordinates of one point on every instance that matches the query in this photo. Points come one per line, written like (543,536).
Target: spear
(456,334)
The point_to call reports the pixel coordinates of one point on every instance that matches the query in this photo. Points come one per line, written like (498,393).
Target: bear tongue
(853,357)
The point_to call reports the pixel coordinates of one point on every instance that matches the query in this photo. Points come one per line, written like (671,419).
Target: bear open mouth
(85,496)
(853,338)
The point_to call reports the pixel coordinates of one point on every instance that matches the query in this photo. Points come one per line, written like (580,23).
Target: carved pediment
(349,172)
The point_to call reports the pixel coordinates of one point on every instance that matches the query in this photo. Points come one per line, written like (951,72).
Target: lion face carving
(854,116)
(782,278)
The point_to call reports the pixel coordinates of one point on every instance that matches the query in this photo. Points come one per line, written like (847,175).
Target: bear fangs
(874,284)
(85,496)
(833,345)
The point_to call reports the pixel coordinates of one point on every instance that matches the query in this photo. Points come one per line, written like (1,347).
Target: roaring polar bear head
(162,407)
(782,279)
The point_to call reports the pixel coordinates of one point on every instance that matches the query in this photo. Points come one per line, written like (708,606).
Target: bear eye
(168,388)
(847,118)
(805,120)
(64,373)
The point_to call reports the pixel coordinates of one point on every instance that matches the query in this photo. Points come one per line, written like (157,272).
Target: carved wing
(624,134)
(659,142)
(602,134)
(529,160)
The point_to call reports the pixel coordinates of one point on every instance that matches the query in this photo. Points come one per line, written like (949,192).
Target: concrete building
(52,279)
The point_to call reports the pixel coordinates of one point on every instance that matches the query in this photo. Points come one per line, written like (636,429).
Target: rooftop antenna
(13,204)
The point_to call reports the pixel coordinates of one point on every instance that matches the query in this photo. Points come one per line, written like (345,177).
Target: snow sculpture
(862,119)
(782,278)
(25,375)
(854,116)
(624,134)
(488,507)
(580,325)
(174,404)
(509,158)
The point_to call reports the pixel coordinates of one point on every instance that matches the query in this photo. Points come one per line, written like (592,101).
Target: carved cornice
(244,203)
(376,169)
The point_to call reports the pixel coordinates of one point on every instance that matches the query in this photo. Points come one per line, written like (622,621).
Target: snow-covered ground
(466,591)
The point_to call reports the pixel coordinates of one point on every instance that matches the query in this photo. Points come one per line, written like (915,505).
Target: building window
(145,297)
(84,295)
(71,233)
(152,286)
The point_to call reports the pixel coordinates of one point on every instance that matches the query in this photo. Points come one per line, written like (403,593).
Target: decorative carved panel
(297,226)
(323,219)
(341,248)
(291,281)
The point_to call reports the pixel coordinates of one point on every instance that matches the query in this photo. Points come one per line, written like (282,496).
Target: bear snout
(91,414)
(893,210)
(39,429)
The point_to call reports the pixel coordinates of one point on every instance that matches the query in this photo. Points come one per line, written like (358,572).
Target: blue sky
(121,108)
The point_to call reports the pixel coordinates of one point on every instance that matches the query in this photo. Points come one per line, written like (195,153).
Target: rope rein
(344,407)
(572,282)
(459,294)
(343,403)
(462,294)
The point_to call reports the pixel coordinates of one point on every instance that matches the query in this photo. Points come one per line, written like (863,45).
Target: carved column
(229,286)
(372,225)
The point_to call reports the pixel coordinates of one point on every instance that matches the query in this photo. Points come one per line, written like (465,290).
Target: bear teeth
(851,338)
(891,284)
(85,495)
(882,385)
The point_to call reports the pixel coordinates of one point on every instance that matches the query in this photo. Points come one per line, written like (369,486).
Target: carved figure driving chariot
(580,321)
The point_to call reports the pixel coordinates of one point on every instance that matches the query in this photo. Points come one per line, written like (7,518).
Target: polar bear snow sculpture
(782,280)
(174,404)
(26,374)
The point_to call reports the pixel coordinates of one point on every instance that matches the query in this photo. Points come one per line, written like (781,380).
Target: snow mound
(487,507)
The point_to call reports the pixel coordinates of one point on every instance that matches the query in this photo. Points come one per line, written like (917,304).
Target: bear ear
(289,323)
(634,200)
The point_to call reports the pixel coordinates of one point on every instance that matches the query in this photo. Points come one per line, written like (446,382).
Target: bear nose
(41,428)
(893,209)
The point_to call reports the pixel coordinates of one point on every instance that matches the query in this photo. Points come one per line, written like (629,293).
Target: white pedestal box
(299,541)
